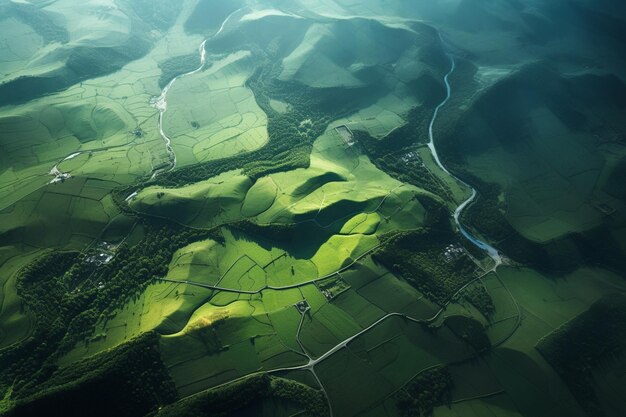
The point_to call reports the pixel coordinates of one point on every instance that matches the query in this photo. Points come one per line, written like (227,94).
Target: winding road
(492,252)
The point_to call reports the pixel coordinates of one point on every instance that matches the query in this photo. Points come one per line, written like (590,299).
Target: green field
(251,208)
(231,124)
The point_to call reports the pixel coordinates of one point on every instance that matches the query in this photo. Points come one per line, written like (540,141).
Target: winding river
(160,102)
(484,246)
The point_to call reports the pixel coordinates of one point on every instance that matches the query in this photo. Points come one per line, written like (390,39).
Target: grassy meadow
(213,207)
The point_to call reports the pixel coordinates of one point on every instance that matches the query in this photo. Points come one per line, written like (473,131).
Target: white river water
(490,250)
(160,102)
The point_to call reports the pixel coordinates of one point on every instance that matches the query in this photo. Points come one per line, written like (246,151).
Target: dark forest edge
(68,294)
(593,341)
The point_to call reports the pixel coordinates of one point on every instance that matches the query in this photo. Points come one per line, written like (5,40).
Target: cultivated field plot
(106,127)
(40,135)
(72,213)
(312,208)
(212,114)
(383,117)
(571,193)
(341,195)
(339,185)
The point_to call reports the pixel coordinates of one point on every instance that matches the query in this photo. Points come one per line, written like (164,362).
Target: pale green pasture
(18,44)
(204,204)
(15,323)
(212,114)
(382,117)
(559,195)
(164,306)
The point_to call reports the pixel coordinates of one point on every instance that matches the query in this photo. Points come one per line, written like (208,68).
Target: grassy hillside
(582,348)
(310,208)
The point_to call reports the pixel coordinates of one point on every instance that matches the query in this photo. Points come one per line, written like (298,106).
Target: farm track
(480,244)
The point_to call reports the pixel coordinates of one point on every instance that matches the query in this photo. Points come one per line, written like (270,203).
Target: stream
(160,102)
(482,245)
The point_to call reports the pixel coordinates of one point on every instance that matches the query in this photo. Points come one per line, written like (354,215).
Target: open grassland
(244,218)
(564,194)
(16,324)
(320,61)
(105,128)
(73,213)
(20,42)
(339,184)
(77,41)
(205,204)
(582,349)
(515,379)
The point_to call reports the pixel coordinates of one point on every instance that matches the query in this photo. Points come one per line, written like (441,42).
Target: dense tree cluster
(596,246)
(87,61)
(396,153)
(49,302)
(426,391)
(37,19)
(486,214)
(232,399)
(221,402)
(418,257)
(332,286)
(154,14)
(128,381)
(298,157)
(470,331)
(279,233)
(412,172)
(592,340)
(177,65)
(313,401)
(67,295)
(291,134)
(480,298)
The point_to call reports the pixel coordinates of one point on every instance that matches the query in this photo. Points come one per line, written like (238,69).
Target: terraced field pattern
(336,208)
